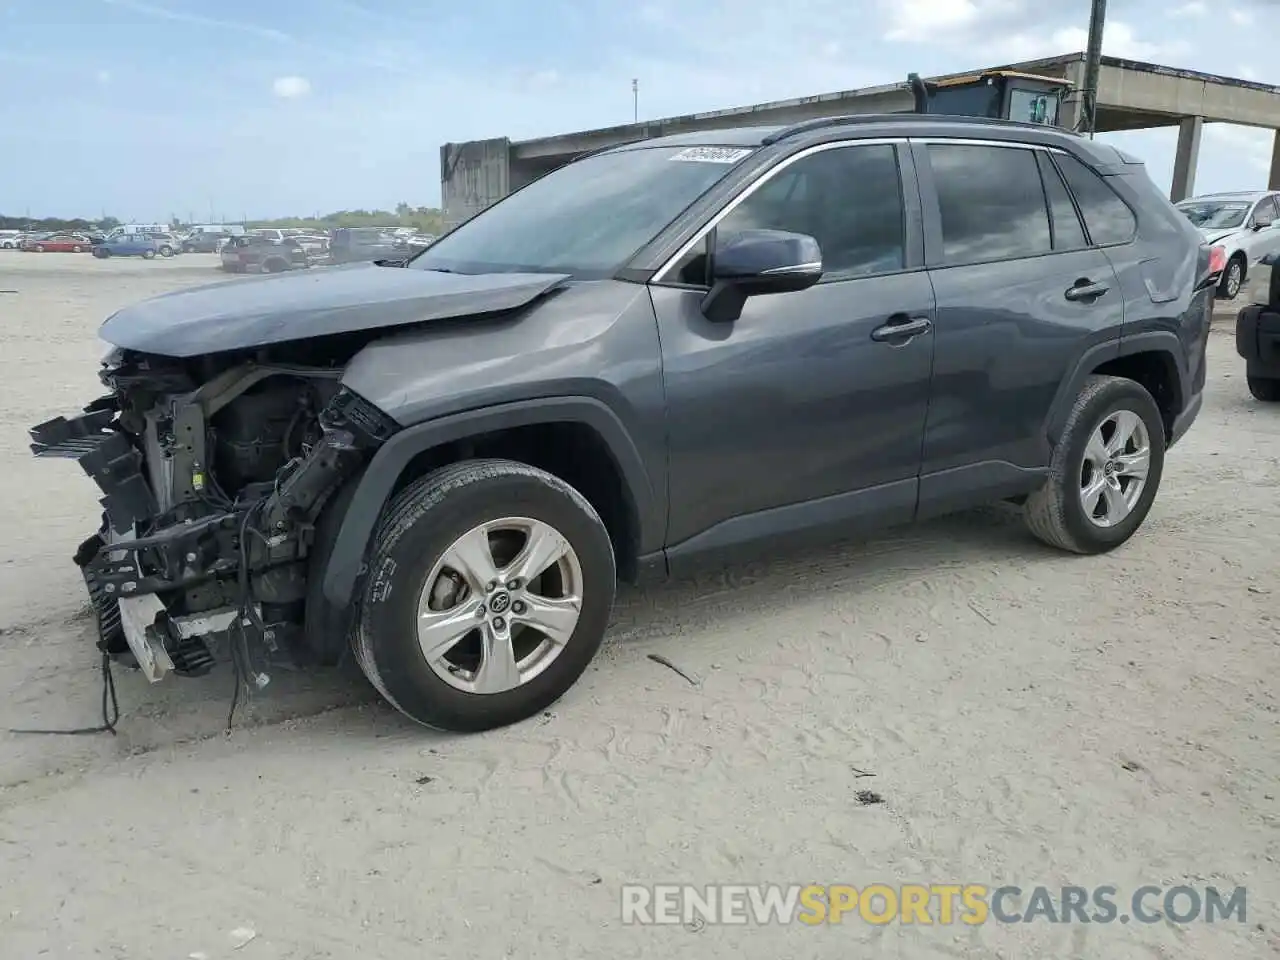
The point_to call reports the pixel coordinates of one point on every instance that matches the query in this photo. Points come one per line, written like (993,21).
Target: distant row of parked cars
(118,243)
(262,250)
(277,250)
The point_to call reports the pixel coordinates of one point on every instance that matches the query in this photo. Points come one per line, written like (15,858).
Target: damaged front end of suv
(253,435)
(227,447)
(214,472)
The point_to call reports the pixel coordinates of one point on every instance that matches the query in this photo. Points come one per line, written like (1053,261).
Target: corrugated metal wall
(472,176)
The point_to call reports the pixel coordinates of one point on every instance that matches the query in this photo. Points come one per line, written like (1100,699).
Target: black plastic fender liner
(379,480)
(328,625)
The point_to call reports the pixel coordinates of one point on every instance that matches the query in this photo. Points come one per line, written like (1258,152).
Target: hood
(292,306)
(1214,234)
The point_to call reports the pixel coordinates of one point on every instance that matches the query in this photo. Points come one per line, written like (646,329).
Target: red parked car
(60,243)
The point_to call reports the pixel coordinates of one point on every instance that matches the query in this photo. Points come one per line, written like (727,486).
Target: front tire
(1105,470)
(148,254)
(166,251)
(1232,278)
(488,594)
(1266,389)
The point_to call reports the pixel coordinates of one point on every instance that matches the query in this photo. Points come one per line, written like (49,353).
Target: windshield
(1215,214)
(586,219)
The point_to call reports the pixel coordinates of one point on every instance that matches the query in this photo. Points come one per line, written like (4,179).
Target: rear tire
(1266,389)
(166,251)
(1089,504)
(148,254)
(100,253)
(75,249)
(441,520)
(39,248)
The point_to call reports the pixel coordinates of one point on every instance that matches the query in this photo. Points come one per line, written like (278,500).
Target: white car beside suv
(1246,225)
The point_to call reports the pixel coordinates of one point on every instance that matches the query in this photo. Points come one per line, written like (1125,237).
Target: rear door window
(991,201)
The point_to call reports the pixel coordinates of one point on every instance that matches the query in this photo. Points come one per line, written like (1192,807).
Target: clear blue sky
(146,108)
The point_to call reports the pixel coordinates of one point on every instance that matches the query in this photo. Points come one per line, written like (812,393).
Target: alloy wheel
(500,605)
(1114,472)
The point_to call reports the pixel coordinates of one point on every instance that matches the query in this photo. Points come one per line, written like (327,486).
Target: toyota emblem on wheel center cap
(499,602)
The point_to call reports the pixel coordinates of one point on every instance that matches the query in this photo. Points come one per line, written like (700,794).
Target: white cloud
(544,78)
(1119,40)
(291,87)
(1241,18)
(930,20)
(103,77)
(1250,147)
(1196,8)
(995,30)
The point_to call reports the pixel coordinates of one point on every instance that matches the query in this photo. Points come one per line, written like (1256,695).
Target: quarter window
(1107,217)
(991,201)
(1067,232)
(849,199)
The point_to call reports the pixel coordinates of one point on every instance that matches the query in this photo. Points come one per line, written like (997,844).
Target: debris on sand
(241,936)
(659,658)
(868,798)
(982,613)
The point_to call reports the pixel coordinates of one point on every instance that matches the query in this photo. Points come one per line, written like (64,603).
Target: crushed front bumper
(131,619)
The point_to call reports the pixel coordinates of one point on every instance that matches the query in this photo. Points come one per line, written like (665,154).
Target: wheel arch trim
(1151,341)
(379,479)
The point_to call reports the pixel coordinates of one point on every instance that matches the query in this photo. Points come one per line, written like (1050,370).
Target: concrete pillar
(1072,109)
(1273,182)
(1186,159)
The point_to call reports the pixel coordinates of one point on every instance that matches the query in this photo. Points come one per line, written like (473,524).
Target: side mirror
(755,262)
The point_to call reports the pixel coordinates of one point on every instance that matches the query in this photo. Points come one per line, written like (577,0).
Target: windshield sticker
(711,155)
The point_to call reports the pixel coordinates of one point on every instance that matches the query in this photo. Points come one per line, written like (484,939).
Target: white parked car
(1245,225)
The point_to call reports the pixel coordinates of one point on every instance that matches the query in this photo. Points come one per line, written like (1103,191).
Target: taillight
(1217,259)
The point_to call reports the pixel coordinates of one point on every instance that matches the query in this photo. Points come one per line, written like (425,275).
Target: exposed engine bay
(213,472)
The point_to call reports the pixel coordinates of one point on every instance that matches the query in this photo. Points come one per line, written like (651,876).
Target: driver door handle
(901,328)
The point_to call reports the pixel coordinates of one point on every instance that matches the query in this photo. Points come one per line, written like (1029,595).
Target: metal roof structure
(1132,95)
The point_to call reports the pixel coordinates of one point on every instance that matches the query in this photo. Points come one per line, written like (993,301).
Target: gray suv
(669,353)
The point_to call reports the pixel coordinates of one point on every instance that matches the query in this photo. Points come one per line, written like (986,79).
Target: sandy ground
(1028,718)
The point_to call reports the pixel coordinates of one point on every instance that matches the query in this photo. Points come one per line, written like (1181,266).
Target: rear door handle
(1085,289)
(901,328)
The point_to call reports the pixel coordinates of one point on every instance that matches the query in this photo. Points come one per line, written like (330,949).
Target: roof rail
(906,116)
